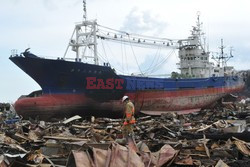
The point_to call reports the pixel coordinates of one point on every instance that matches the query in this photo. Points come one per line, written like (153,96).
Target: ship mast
(85,38)
(222,58)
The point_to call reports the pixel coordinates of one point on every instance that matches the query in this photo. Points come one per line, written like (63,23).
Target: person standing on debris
(129,121)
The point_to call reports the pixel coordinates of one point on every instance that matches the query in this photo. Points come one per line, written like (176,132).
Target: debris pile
(214,137)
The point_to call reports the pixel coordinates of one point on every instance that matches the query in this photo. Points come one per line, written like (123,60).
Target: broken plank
(81,127)
(65,138)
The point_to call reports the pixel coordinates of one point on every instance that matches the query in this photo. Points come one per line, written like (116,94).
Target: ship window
(89,71)
(95,72)
(79,70)
(72,70)
(100,72)
(188,58)
(201,58)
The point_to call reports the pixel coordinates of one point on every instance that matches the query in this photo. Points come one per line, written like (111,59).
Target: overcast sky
(46,25)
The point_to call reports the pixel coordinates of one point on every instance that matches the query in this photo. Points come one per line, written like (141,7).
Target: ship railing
(60,58)
(66,59)
(192,65)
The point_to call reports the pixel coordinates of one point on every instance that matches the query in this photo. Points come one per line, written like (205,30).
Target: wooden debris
(65,138)
(196,139)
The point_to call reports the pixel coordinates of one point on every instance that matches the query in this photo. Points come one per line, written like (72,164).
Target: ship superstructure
(194,59)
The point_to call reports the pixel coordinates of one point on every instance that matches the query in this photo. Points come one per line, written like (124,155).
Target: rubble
(213,137)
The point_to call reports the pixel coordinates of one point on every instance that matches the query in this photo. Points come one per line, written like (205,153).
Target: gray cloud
(144,22)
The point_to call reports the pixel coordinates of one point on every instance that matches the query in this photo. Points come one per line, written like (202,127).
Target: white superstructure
(194,59)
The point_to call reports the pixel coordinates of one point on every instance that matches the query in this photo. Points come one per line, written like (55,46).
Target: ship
(80,88)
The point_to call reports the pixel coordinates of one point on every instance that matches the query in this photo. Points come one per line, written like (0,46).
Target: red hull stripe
(181,93)
(77,99)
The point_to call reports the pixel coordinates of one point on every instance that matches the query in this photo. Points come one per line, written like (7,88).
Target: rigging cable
(114,56)
(105,52)
(156,66)
(122,57)
(126,61)
(156,57)
(135,56)
(122,71)
(162,63)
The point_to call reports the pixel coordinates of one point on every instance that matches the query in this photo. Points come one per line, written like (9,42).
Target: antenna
(198,17)
(222,48)
(231,52)
(198,24)
(84,10)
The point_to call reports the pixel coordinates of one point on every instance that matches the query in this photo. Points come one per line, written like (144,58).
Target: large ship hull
(70,88)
